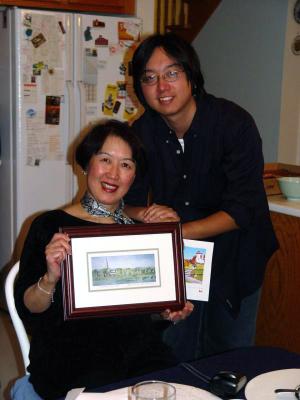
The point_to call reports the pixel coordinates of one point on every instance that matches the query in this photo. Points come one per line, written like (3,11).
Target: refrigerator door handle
(69,48)
(82,94)
(70,178)
(71,127)
(81,87)
(79,47)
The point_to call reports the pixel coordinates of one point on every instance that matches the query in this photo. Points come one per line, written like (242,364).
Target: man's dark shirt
(221,168)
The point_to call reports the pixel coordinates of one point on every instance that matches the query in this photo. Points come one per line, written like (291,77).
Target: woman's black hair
(96,137)
(177,48)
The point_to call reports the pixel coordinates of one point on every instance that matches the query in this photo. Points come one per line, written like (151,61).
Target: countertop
(280,204)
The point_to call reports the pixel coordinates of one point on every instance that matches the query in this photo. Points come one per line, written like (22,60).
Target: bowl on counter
(290,187)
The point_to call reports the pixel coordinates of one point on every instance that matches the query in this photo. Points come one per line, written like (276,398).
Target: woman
(93,352)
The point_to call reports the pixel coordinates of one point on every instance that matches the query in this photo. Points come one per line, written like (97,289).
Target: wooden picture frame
(123,269)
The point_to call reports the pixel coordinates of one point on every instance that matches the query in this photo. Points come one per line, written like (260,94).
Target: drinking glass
(153,390)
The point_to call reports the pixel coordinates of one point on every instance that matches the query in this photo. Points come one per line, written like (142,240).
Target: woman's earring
(84,172)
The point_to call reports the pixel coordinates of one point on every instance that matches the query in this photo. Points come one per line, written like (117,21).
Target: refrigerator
(59,73)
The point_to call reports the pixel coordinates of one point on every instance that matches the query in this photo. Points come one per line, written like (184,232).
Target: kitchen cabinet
(102,6)
(278,322)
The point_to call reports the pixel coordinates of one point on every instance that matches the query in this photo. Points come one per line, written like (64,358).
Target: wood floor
(11,366)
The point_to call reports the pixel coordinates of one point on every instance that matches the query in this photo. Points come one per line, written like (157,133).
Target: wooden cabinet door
(34,3)
(278,322)
(101,6)
(115,6)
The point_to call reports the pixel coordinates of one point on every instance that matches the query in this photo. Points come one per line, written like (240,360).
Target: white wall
(289,138)
(241,50)
(145,9)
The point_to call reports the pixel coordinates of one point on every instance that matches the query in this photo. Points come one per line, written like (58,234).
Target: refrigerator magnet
(116,107)
(52,113)
(110,99)
(87,34)
(61,27)
(38,40)
(98,24)
(128,30)
(101,41)
(28,33)
(31,113)
(129,110)
(122,69)
(121,89)
(37,68)
(27,20)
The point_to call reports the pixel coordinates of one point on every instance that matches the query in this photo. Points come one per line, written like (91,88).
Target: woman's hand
(56,252)
(160,213)
(177,316)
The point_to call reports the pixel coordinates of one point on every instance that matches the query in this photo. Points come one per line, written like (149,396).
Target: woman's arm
(38,297)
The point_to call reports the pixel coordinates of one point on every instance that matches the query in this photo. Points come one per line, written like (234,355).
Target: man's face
(167,95)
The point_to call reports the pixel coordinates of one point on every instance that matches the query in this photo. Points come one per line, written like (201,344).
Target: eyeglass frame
(162,75)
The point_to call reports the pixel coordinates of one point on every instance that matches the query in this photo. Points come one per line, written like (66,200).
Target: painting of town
(119,269)
(197,268)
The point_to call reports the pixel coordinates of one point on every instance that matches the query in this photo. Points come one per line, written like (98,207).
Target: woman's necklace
(93,207)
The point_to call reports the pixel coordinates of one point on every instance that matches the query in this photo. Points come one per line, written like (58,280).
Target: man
(205,166)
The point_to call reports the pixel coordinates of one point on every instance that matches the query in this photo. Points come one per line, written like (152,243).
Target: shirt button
(184,176)
(187,203)
(167,141)
(229,303)
(178,151)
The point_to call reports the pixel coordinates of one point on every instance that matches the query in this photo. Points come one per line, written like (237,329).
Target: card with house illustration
(197,267)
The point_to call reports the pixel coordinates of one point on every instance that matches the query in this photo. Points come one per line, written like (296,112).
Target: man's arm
(135,212)
(215,224)
(153,213)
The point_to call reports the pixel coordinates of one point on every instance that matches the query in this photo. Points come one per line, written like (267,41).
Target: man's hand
(160,213)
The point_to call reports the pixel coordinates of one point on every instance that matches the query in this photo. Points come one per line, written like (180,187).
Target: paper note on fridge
(197,267)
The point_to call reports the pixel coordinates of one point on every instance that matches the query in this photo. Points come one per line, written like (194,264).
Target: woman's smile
(108,187)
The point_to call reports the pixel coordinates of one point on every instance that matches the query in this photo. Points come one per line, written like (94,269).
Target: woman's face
(111,172)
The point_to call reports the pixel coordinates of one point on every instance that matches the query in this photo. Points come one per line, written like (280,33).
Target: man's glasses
(171,74)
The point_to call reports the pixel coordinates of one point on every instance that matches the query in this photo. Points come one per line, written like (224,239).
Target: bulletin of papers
(42,67)
(107,80)
(105,84)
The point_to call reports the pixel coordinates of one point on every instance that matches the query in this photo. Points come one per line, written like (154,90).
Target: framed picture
(197,256)
(123,269)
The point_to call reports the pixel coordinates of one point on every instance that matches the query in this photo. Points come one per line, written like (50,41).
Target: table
(251,361)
